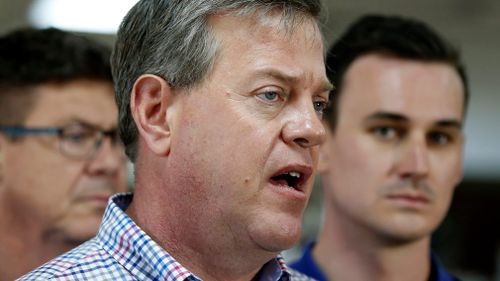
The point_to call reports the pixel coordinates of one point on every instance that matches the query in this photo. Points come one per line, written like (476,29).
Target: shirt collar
(133,248)
(438,271)
(275,270)
(139,254)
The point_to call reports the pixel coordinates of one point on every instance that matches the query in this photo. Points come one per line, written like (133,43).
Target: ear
(149,102)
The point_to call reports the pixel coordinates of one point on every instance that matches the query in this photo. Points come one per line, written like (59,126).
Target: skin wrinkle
(232,207)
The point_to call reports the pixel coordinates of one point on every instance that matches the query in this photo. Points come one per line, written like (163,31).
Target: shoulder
(87,261)
(306,264)
(439,272)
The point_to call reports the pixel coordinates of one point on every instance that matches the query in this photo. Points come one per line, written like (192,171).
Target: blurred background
(468,241)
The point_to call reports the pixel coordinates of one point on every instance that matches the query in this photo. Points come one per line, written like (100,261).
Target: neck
(178,221)
(343,246)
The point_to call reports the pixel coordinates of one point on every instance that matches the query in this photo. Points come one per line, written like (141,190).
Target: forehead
(265,26)
(420,90)
(59,104)
(264,43)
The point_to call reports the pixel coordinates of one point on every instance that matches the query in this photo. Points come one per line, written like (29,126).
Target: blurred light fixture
(90,16)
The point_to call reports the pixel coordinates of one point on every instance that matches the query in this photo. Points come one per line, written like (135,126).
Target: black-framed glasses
(76,140)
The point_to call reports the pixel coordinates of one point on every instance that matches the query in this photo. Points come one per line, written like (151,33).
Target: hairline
(387,54)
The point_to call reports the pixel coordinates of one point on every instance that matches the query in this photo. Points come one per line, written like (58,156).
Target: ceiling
(474,26)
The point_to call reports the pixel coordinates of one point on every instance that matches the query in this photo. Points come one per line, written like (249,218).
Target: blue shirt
(122,251)
(308,266)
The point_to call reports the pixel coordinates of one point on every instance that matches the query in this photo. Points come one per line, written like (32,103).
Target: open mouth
(290,179)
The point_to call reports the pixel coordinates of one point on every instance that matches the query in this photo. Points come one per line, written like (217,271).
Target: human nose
(108,159)
(304,127)
(414,159)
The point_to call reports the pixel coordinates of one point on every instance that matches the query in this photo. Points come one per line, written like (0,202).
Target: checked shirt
(122,251)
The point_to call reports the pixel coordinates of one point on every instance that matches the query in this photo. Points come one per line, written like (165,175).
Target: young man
(60,158)
(220,107)
(394,153)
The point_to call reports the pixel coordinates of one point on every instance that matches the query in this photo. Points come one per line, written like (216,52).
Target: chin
(407,235)
(276,234)
(405,228)
(83,231)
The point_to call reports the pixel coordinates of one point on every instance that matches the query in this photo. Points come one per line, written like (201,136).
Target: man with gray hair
(220,106)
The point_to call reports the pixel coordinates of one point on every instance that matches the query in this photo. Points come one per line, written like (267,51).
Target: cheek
(358,168)
(57,184)
(55,176)
(446,186)
(223,144)
(359,160)
(242,145)
(344,169)
(447,172)
(44,189)
(443,201)
(242,156)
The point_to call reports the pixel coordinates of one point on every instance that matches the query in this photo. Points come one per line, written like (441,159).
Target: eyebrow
(75,121)
(87,124)
(450,123)
(381,115)
(395,117)
(326,86)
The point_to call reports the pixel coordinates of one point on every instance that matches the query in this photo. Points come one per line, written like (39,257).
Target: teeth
(294,174)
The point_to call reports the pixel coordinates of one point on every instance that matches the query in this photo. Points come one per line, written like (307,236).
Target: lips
(101,199)
(410,199)
(292,176)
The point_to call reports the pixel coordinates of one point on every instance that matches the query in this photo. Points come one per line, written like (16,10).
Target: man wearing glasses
(60,157)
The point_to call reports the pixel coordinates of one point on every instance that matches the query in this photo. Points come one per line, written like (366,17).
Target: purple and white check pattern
(122,251)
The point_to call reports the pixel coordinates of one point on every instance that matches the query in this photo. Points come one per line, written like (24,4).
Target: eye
(269,96)
(114,135)
(439,138)
(386,133)
(77,137)
(320,106)
(77,134)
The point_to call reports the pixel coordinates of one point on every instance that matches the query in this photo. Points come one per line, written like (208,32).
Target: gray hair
(172,39)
